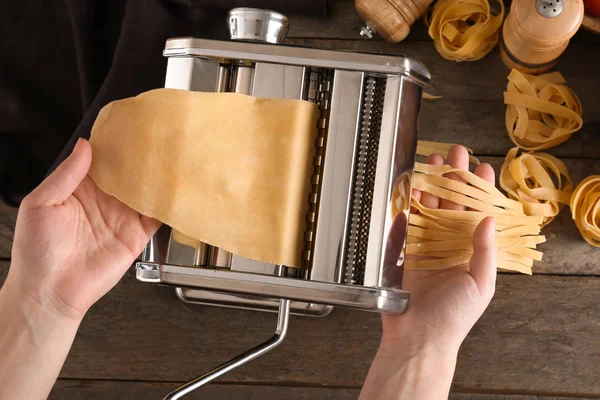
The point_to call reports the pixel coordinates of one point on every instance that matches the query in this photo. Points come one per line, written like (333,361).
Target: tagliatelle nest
(585,209)
(539,181)
(464,30)
(542,111)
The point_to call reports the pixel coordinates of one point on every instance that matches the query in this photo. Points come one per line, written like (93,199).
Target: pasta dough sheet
(230,170)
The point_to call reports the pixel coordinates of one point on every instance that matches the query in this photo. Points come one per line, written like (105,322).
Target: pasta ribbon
(464,30)
(441,238)
(428,96)
(539,181)
(542,111)
(585,209)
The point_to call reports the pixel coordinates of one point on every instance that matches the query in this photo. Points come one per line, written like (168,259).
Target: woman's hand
(417,355)
(72,245)
(72,241)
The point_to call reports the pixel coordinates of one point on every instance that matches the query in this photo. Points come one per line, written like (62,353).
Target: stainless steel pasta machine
(364,156)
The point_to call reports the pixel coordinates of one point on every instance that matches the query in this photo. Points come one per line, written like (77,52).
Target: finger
(416,194)
(150,225)
(427,199)
(485,171)
(59,185)
(484,262)
(458,157)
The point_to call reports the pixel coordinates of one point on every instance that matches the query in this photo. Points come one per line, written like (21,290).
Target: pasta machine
(358,208)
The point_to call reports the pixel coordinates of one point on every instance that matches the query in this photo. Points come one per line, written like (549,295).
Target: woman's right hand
(418,350)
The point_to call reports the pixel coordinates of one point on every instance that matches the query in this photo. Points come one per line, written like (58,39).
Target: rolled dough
(230,170)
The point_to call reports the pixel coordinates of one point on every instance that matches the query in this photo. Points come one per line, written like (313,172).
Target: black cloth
(61,62)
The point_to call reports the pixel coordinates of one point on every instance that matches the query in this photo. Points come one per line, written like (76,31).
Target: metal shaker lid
(549,8)
(256,25)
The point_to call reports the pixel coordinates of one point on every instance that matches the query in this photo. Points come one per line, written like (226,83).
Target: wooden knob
(536,32)
(391,19)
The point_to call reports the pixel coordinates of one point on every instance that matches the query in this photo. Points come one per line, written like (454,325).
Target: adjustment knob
(256,25)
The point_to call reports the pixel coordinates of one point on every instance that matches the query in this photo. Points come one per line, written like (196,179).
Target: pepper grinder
(536,32)
(391,19)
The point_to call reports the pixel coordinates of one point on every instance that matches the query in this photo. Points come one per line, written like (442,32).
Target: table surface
(539,339)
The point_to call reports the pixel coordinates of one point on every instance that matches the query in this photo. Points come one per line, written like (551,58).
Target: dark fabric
(317,8)
(62,61)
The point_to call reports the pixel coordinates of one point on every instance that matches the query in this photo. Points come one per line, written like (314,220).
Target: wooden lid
(563,18)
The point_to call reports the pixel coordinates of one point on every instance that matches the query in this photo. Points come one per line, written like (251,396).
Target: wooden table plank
(483,396)
(471,110)
(560,398)
(565,252)
(116,390)
(131,390)
(538,336)
(66,389)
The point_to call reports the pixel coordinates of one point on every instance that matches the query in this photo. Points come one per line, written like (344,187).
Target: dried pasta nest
(585,209)
(542,111)
(539,181)
(465,30)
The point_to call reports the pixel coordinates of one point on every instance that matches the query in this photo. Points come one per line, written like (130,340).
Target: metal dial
(256,25)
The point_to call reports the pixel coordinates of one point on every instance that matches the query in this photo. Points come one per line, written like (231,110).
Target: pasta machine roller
(361,183)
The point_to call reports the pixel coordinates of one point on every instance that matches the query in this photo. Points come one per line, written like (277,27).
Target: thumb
(59,185)
(484,261)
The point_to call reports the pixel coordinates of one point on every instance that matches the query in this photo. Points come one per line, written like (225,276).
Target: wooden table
(539,339)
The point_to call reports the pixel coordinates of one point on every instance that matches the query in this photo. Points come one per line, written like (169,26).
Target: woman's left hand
(74,242)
